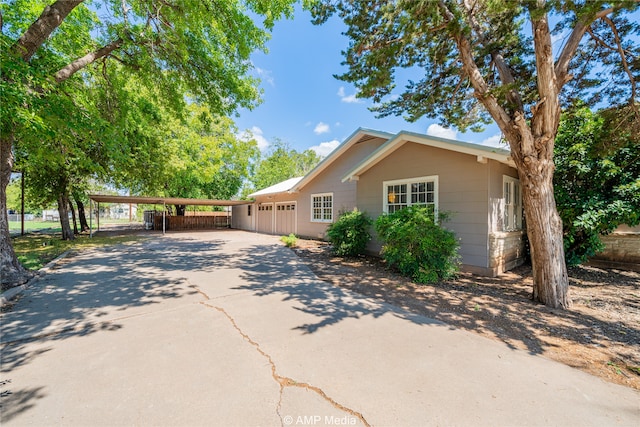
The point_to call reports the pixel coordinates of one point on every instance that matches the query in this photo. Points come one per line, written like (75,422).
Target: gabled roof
(281,187)
(482,152)
(355,137)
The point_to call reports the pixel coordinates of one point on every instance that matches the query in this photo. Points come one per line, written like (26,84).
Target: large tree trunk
(544,230)
(12,273)
(63,203)
(531,141)
(84,225)
(73,217)
(180,210)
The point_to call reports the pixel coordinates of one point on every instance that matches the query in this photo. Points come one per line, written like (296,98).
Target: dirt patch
(600,334)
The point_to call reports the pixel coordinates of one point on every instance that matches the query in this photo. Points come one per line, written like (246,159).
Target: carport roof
(164,200)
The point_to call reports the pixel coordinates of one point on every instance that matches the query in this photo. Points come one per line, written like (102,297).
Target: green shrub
(290,241)
(349,235)
(417,246)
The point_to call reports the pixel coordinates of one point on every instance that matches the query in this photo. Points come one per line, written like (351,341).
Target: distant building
(50,215)
(121,211)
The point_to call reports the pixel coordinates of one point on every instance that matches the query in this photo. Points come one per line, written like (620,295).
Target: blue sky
(305,106)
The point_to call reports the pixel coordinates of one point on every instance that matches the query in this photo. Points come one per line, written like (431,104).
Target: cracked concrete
(227,328)
(285,382)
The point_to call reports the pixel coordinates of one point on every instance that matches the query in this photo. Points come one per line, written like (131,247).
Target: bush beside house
(415,244)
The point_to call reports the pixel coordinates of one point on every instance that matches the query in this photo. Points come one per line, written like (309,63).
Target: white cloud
(321,128)
(349,99)
(442,132)
(265,75)
(493,141)
(325,148)
(256,133)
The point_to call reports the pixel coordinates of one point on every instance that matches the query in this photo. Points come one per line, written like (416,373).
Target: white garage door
(286,218)
(265,218)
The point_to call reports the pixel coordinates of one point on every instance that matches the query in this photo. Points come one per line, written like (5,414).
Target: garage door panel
(285,218)
(265,218)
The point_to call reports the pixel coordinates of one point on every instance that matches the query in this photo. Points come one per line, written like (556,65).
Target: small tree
(350,233)
(597,180)
(281,163)
(417,246)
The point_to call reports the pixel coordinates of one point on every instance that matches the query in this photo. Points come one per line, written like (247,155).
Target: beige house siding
(330,181)
(240,219)
(469,186)
(462,190)
(506,249)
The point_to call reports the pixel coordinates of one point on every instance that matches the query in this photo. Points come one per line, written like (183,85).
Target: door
(286,218)
(265,218)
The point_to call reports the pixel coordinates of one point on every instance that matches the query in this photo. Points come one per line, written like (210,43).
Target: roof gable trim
(337,152)
(480,151)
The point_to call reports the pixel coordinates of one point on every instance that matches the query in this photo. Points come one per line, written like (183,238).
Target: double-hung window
(399,194)
(512,196)
(322,207)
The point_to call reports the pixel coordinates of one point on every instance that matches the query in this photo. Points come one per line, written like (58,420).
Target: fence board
(191,222)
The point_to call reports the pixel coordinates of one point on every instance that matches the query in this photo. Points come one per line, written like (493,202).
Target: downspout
(490,214)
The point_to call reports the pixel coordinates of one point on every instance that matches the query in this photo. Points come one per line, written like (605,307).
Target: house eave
(482,153)
(337,152)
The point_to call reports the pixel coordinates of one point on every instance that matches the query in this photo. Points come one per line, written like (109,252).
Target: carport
(164,201)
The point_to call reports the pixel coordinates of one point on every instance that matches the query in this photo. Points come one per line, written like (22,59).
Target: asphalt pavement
(229,328)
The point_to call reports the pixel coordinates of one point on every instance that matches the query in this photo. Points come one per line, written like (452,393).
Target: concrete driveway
(228,328)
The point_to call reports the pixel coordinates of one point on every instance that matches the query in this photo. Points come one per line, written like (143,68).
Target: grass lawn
(35,250)
(15,226)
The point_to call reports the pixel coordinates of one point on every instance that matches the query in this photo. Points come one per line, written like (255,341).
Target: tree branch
(506,76)
(569,50)
(70,69)
(480,87)
(50,19)
(599,41)
(625,64)
(546,117)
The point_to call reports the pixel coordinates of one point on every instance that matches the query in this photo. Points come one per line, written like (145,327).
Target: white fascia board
(480,151)
(337,152)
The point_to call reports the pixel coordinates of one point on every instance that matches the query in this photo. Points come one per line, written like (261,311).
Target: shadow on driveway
(274,269)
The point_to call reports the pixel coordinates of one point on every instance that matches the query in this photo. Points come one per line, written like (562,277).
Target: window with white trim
(400,194)
(322,207)
(512,196)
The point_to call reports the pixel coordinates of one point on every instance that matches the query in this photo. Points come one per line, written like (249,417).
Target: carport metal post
(90,217)
(164,209)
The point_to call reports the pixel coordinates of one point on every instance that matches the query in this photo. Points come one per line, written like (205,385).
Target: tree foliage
(93,80)
(597,181)
(492,60)
(207,158)
(281,163)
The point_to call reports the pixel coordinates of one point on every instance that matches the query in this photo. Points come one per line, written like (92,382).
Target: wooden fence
(199,222)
